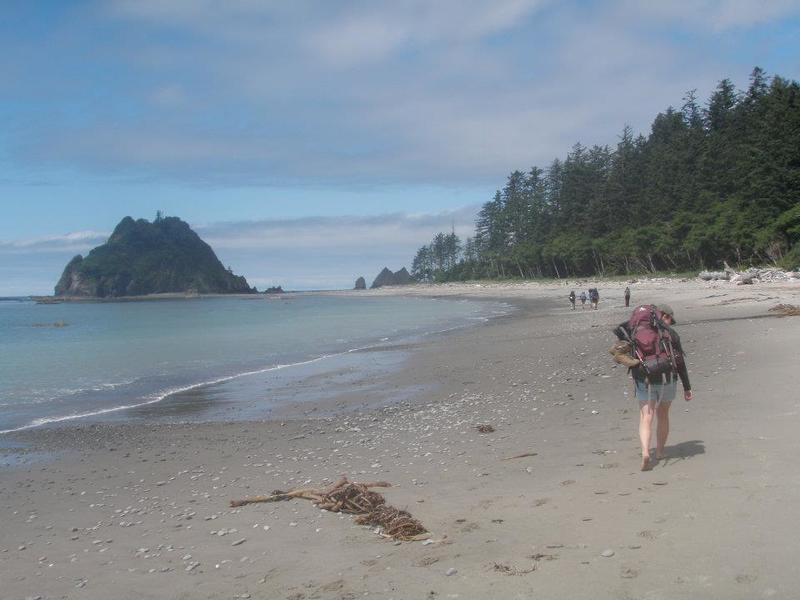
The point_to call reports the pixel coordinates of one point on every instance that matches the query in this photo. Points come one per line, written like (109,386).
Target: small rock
(239,542)
(450,571)
(607,553)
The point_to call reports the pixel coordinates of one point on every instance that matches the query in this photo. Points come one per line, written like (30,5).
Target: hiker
(594,297)
(583,300)
(657,363)
(572,298)
(627,296)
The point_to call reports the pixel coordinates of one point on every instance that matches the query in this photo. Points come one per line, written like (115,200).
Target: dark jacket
(623,333)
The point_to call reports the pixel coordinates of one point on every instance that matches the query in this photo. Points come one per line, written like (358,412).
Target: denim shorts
(660,392)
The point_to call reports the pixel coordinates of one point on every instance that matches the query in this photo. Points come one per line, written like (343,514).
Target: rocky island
(142,258)
(386,277)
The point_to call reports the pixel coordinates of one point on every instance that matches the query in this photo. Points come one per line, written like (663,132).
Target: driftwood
(789,310)
(525,455)
(353,498)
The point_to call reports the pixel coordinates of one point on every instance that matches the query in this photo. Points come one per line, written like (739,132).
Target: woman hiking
(656,391)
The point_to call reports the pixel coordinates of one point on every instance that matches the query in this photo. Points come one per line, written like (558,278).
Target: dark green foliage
(149,258)
(706,186)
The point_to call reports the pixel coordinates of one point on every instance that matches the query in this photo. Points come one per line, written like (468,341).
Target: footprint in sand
(427,561)
(648,534)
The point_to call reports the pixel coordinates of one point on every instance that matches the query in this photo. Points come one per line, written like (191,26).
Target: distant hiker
(656,361)
(594,297)
(583,300)
(572,299)
(627,296)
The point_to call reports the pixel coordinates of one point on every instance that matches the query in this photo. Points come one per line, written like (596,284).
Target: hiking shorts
(660,392)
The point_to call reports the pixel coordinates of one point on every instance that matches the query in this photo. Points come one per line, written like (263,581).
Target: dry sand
(142,512)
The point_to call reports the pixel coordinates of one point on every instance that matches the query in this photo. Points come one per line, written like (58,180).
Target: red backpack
(652,343)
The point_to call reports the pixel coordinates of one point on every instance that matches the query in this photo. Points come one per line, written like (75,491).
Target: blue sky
(313,142)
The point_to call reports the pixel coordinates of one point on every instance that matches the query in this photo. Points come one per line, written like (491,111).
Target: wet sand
(141,511)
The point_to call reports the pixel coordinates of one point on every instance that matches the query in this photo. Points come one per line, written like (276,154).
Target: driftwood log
(353,498)
(789,310)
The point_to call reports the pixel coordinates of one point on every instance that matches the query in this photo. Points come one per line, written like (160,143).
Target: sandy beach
(142,512)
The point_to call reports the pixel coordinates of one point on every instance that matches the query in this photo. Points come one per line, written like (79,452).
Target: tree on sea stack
(142,258)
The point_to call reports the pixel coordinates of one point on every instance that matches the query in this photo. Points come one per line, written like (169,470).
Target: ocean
(203,359)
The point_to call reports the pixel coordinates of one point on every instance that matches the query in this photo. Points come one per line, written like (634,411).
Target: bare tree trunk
(555,266)
(650,260)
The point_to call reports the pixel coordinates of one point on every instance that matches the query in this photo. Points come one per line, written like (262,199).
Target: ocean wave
(162,395)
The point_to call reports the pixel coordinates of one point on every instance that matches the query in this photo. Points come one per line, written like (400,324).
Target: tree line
(709,184)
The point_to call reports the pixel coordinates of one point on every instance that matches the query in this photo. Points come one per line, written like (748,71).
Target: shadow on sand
(683,451)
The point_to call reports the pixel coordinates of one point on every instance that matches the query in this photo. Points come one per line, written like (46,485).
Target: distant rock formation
(402,277)
(274,290)
(142,258)
(361,284)
(386,277)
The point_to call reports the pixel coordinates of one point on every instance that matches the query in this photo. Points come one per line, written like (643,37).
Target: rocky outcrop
(386,277)
(402,277)
(142,258)
(274,290)
(361,284)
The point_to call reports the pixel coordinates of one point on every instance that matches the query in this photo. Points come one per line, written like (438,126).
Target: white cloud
(342,235)
(719,15)
(404,92)
(77,241)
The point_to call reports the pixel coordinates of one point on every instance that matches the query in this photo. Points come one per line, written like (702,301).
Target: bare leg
(662,427)
(646,412)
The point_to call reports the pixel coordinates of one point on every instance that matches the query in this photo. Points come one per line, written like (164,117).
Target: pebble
(450,571)
(607,553)
(239,542)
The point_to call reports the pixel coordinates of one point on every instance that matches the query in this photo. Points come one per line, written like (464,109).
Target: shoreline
(540,525)
(274,374)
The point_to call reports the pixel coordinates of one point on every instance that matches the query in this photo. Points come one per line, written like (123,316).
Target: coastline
(141,498)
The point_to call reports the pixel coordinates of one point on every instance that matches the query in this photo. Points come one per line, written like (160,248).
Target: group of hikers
(651,349)
(594,298)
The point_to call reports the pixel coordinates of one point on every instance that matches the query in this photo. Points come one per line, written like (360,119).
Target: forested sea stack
(143,258)
(386,277)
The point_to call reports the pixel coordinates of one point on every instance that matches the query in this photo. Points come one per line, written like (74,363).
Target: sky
(313,142)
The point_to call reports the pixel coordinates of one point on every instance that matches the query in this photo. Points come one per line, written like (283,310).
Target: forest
(710,184)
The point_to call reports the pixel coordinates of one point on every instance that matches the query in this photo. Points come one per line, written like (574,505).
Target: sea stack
(142,258)
(361,284)
(386,277)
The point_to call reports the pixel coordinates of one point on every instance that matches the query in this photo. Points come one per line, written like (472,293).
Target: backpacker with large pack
(645,342)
